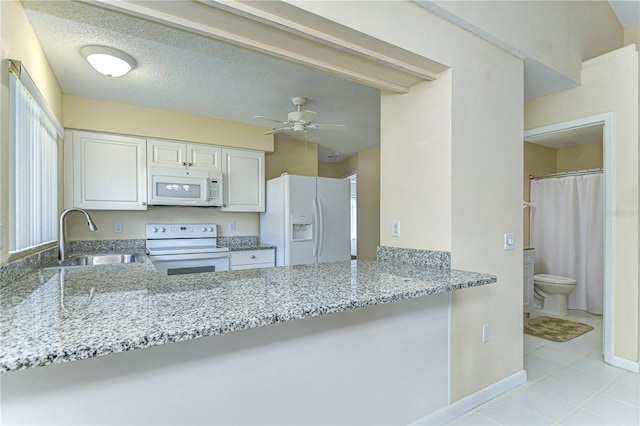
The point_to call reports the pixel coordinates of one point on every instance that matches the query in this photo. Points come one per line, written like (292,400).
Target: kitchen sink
(95,259)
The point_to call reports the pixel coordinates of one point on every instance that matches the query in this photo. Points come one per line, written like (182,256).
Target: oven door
(190,263)
(169,187)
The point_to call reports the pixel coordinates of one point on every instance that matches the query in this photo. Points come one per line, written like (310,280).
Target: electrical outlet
(395,228)
(509,241)
(232,225)
(486,332)
(117,227)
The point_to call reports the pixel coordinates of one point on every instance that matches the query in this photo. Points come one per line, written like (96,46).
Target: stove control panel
(181,230)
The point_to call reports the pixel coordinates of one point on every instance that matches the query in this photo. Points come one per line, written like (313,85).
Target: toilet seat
(553,279)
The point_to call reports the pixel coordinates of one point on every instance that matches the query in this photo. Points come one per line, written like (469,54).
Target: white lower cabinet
(109,171)
(252,259)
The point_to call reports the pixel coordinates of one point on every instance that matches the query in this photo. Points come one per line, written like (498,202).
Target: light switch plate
(117,227)
(232,225)
(509,241)
(395,228)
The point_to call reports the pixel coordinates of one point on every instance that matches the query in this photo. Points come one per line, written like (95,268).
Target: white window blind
(33,171)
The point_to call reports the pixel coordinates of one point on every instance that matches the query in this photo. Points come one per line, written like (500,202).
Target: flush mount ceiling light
(108,61)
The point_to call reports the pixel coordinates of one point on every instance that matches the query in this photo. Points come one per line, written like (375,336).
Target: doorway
(586,124)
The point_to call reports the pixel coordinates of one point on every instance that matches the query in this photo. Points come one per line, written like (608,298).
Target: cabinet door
(166,153)
(243,180)
(109,172)
(204,157)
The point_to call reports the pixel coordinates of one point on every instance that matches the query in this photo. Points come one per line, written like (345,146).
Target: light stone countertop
(52,315)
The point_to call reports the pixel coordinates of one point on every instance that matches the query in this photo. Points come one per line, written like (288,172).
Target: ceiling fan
(300,121)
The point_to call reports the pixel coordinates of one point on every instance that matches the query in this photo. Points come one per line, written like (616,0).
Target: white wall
(610,84)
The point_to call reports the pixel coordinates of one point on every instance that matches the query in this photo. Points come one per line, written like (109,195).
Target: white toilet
(553,290)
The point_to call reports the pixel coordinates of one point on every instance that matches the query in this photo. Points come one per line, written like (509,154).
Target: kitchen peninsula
(294,372)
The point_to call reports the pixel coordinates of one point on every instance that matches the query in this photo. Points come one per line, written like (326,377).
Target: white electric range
(185,248)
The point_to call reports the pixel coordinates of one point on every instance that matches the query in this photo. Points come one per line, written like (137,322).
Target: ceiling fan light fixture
(298,127)
(108,61)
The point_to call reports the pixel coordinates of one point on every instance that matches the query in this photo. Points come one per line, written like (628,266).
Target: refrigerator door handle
(315,227)
(321,233)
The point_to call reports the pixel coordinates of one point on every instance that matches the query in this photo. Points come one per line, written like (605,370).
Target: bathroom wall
(579,157)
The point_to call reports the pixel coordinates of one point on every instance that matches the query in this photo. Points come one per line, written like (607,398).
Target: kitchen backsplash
(15,270)
(428,258)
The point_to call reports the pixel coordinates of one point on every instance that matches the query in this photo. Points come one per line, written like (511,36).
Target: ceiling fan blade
(262,117)
(307,116)
(328,126)
(274,131)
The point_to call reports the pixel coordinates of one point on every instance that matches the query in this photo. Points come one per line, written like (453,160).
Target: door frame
(607,120)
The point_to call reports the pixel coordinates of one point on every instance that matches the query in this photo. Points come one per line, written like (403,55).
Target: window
(33,168)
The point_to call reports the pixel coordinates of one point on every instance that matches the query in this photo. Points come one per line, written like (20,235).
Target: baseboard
(625,364)
(458,408)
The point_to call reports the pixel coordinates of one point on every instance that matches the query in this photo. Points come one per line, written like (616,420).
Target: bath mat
(555,329)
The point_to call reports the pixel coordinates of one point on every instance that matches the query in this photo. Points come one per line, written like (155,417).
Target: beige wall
(133,222)
(610,84)
(293,157)
(367,165)
(326,169)
(579,157)
(104,116)
(573,31)
(416,166)
(18,41)
(368,192)
(538,161)
(439,147)
(632,35)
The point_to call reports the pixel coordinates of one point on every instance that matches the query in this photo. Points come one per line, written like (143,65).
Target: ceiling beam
(283,31)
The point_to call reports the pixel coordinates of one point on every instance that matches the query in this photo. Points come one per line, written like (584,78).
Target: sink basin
(97,259)
(102,259)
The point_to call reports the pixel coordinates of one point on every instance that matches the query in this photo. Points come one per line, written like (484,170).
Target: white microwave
(180,187)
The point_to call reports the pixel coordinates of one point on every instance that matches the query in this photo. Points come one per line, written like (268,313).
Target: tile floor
(567,384)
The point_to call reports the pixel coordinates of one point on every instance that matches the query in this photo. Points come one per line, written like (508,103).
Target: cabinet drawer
(252,257)
(251,266)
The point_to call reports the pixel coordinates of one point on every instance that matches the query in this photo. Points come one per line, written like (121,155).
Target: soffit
(286,32)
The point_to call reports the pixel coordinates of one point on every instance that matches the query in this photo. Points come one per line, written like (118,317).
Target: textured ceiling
(188,73)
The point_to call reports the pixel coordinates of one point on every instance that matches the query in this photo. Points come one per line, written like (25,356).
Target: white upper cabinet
(243,175)
(109,171)
(171,154)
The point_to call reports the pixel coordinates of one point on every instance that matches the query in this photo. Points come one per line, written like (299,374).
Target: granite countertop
(59,315)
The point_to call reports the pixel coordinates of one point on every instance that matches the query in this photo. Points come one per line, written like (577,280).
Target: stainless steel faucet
(61,241)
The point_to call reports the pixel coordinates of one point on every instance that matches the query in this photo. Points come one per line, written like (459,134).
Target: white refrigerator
(307,219)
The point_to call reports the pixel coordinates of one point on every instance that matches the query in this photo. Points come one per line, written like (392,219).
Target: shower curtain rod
(563,174)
